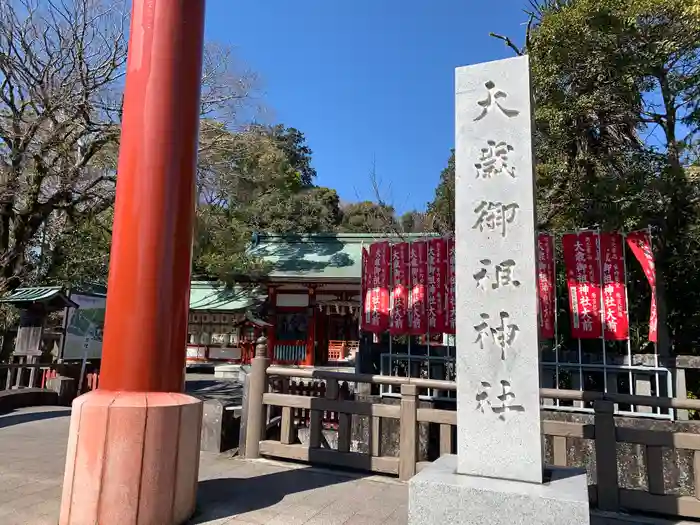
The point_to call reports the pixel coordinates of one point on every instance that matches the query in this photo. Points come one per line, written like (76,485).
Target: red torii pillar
(133,449)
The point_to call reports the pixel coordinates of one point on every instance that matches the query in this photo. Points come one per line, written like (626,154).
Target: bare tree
(228,88)
(62,66)
(411,222)
(60,100)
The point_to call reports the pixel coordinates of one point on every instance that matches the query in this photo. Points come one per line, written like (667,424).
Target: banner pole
(629,324)
(445,302)
(426,294)
(580,350)
(602,309)
(656,307)
(553,247)
(363,297)
(410,309)
(391,309)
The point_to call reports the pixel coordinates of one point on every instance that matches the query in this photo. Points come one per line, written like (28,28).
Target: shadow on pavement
(10,419)
(214,389)
(228,497)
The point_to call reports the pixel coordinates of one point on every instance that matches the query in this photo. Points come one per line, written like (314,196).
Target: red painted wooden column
(272,319)
(310,358)
(149,278)
(133,448)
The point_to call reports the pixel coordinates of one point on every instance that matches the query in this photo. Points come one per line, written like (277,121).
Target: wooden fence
(605,493)
(26,375)
(301,417)
(341,350)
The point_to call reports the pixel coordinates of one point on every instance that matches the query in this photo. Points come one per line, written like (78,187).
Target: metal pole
(580,355)
(627,313)
(656,346)
(359,356)
(602,309)
(556,316)
(83,366)
(391,310)
(410,310)
(426,294)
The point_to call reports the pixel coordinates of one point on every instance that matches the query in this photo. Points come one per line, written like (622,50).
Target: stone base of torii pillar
(132,458)
(497,476)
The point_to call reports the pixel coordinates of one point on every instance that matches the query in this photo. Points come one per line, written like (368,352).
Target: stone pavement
(231,491)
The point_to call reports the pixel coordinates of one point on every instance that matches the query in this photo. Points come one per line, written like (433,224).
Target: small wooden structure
(223,325)
(35,304)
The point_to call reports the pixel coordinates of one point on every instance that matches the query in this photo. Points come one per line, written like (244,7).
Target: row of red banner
(595,278)
(409,288)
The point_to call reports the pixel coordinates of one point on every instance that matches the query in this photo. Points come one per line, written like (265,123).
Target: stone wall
(631,460)
(361,435)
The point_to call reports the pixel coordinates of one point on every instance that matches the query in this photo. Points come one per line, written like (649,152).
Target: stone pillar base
(439,495)
(133,459)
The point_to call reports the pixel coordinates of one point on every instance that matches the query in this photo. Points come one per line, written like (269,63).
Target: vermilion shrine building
(308,304)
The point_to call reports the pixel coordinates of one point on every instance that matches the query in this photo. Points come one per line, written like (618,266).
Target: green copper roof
(215,296)
(51,295)
(332,256)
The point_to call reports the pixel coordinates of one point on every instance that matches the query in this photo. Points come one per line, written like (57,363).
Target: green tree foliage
(615,116)
(416,222)
(81,258)
(441,210)
(254,181)
(293,144)
(368,217)
(616,130)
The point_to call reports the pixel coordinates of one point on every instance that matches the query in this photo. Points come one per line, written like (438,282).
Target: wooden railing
(341,350)
(606,435)
(14,376)
(605,492)
(25,375)
(301,417)
(291,352)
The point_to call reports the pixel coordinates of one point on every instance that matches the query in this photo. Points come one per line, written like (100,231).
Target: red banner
(583,280)
(640,244)
(365,281)
(398,321)
(437,270)
(546,287)
(376,311)
(451,288)
(614,297)
(418,260)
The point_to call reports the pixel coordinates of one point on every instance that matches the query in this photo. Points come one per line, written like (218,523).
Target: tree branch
(508,43)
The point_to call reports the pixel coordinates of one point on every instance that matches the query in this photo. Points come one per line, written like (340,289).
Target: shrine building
(307,304)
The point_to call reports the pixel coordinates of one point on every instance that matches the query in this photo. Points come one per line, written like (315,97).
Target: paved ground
(231,491)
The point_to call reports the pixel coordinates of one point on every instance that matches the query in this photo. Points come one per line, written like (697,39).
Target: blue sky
(368,80)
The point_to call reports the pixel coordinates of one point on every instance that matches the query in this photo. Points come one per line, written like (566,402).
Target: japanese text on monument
(497,329)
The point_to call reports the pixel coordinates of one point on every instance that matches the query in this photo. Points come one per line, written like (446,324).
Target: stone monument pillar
(497,476)
(133,447)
